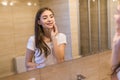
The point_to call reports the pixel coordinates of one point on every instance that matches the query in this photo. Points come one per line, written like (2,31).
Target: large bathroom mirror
(86,23)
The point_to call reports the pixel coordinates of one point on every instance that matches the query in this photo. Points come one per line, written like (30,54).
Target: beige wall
(74,26)
(16,25)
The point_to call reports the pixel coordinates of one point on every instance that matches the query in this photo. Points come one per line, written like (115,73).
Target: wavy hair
(39,33)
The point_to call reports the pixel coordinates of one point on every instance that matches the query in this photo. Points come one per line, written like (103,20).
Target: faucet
(80,77)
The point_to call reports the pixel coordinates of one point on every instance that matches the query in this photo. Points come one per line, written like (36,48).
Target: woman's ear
(39,22)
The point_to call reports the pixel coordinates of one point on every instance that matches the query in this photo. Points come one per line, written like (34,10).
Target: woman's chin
(50,27)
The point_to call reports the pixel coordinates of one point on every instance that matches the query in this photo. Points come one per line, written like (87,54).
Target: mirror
(83,37)
(94,25)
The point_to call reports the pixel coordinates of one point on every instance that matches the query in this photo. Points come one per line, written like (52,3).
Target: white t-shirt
(118,75)
(40,59)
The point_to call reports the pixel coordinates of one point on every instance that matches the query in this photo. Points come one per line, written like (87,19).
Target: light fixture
(35,4)
(114,0)
(93,0)
(29,3)
(11,3)
(4,3)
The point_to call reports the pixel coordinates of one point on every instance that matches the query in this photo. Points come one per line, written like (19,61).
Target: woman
(116,48)
(47,46)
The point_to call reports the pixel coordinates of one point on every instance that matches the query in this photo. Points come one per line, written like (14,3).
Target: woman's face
(47,19)
(118,29)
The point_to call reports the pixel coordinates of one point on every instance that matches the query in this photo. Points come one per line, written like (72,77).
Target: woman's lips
(50,24)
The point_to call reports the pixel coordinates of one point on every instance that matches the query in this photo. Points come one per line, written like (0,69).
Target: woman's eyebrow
(51,14)
(44,16)
(47,15)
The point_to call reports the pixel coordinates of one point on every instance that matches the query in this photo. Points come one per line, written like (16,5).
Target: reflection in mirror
(86,34)
(93,26)
(17,21)
(47,45)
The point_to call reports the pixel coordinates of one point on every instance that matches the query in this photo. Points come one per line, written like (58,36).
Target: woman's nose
(49,19)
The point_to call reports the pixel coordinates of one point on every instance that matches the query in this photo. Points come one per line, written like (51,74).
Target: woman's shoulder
(61,38)
(61,35)
(31,43)
(32,37)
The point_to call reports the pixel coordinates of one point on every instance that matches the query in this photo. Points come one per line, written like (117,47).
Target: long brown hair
(39,33)
(115,70)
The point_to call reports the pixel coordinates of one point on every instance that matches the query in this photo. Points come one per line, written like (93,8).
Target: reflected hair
(39,33)
(115,70)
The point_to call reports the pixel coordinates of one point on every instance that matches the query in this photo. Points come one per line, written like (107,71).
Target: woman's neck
(47,39)
(47,35)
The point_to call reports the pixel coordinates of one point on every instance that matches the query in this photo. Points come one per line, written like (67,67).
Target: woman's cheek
(118,20)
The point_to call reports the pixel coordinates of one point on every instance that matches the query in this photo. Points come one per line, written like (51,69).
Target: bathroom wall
(75,27)
(16,25)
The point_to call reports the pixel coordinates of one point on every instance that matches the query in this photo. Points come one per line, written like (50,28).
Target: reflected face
(117,18)
(118,29)
(47,19)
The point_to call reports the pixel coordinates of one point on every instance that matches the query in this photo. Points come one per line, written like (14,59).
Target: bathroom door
(93,26)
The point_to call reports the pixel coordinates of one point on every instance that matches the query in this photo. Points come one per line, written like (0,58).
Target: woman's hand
(54,31)
(114,77)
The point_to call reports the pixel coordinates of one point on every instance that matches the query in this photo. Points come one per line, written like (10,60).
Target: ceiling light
(4,3)
(29,3)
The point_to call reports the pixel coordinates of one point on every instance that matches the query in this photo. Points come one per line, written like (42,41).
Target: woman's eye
(44,18)
(51,16)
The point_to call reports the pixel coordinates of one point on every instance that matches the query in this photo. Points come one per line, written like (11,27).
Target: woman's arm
(114,77)
(116,53)
(29,56)
(59,50)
